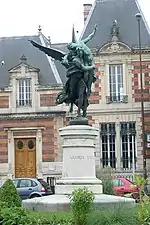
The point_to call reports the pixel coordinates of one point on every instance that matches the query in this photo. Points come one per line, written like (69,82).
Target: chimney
(87,8)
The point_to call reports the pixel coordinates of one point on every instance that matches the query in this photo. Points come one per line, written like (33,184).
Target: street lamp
(138,17)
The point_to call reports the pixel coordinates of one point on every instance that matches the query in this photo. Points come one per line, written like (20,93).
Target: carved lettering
(81,157)
(77,157)
(90,157)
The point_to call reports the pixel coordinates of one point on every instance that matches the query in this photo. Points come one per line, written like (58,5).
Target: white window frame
(131,166)
(108,146)
(118,97)
(24,92)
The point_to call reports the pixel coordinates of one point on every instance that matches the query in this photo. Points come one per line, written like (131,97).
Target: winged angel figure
(80,73)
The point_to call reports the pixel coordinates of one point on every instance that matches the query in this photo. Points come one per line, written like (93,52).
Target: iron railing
(23,102)
(117,99)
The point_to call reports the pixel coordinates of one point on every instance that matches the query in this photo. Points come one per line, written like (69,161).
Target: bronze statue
(80,73)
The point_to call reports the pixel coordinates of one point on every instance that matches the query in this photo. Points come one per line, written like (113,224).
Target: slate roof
(104,12)
(12,48)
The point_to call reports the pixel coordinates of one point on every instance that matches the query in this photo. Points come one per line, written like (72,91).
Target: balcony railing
(27,102)
(117,99)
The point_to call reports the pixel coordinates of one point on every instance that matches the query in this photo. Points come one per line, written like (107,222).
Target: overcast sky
(18,17)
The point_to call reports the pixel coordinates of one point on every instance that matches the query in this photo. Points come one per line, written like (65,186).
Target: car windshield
(130,181)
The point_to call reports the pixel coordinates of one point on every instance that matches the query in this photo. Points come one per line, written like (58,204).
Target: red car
(124,186)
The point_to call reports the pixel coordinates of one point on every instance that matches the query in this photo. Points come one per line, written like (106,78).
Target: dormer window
(23,79)
(24,95)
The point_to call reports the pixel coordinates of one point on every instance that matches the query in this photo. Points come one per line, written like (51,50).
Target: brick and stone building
(116,100)
(30,81)
(29,118)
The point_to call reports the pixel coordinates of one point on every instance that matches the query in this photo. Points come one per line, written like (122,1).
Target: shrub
(20,216)
(81,203)
(143,211)
(9,195)
(14,215)
(105,175)
(107,187)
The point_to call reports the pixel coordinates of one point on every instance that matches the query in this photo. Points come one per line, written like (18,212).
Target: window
(44,184)
(31,144)
(20,145)
(128,149)
(116,83)
(24,92)
(34,184)
(25,183)
(118,183)
(108,136)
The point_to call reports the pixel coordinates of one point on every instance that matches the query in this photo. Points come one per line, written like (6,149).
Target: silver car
(31,187)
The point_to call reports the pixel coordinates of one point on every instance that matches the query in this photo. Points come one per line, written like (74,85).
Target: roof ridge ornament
(39,29)
(23,59)
(115,32)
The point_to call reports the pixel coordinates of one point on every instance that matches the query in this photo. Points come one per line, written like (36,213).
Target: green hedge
(9,195)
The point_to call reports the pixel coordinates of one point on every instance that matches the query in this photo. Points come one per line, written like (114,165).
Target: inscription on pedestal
(81,157)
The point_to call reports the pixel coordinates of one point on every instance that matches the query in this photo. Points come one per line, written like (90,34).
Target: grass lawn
(111,216)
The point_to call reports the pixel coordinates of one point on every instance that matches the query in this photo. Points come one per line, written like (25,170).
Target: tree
(9,195)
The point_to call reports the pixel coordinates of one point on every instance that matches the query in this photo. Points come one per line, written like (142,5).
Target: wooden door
(25,157)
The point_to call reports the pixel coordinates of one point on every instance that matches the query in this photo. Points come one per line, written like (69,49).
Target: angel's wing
(54,53)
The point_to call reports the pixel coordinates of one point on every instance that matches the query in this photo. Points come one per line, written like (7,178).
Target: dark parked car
(31,187)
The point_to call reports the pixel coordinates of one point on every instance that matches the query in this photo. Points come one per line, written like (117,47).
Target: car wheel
(35,196)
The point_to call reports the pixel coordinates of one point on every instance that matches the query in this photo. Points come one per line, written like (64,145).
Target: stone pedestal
(78,160)
(78,172)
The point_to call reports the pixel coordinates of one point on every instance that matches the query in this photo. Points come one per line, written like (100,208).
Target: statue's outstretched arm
(91,35)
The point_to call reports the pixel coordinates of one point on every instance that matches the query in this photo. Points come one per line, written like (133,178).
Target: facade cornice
(3,90)
(23,128)
(50,87)
(119,111)
(96,51)
(143,51)
(31,116)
